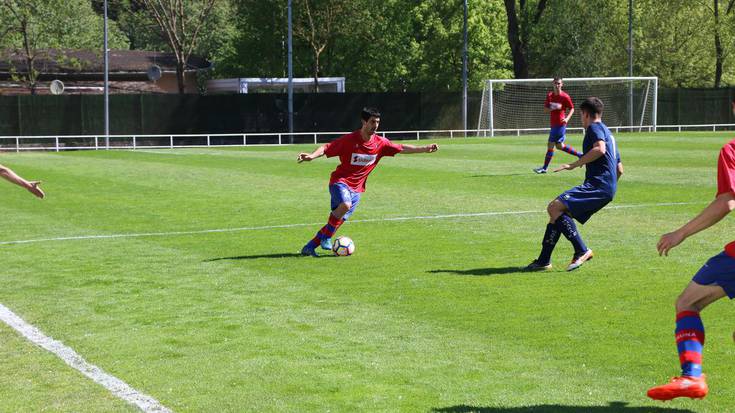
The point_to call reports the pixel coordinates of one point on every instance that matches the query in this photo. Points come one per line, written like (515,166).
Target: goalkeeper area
(177,271)
(516,105)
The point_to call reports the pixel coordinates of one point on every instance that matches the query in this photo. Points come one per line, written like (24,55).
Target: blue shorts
(718,270)
(558,134)
(342,193)
(584,200)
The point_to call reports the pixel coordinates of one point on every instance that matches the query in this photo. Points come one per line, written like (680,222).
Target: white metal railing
(96,142)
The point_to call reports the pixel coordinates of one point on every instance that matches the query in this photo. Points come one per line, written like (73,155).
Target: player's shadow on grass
(614,407)
(482,271)
(258,256)
(498,175)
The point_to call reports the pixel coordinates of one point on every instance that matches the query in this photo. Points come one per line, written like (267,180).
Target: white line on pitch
(116,386)
(353,221)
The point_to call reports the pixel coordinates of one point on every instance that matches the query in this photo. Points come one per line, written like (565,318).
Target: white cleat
(578,261)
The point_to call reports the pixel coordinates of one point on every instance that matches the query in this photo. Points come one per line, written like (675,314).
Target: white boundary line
(210,231)
(116,386)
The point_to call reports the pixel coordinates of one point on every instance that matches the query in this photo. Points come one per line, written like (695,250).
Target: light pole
(107,86)
(630,61)
(464,72)
(290,71)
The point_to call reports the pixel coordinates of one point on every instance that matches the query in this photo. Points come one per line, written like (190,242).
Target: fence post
(56,141)
(279,139)
(171,141)
(244,139)
(418,137)
(134,142)
(17,143)
(96,144)
(208,141)
(315,142)
(451,134)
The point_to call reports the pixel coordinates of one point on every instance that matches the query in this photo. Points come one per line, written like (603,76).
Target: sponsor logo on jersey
(362,159)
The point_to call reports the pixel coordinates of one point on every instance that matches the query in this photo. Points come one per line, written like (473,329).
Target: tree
(35,27)
(520,24)
(318,23)
(719,49)
(179,23)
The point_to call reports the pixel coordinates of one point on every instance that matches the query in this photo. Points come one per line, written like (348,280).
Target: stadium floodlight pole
(290,71)
(464,72)
(107,85)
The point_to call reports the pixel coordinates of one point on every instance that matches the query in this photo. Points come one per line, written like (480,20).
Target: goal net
(516,105)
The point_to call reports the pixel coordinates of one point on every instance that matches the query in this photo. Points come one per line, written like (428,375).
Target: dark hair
(368,113)
(592,106)
(557,78)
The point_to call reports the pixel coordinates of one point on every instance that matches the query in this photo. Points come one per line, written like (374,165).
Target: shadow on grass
(498,175)
(275,256)
(614,407)
(482,271)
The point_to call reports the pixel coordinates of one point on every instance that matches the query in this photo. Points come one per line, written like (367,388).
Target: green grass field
(429,315)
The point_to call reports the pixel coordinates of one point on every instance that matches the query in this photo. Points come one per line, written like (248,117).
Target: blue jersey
(602,173)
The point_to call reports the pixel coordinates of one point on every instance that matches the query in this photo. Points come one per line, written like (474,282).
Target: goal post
(516,105)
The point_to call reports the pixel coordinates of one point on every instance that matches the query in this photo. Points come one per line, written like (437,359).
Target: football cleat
(306,251)
(537,266)
(540,170)
(577,261)
(684,386)
(326,244)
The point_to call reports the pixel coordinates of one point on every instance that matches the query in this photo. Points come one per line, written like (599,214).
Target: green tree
(437,44)
(35,27)
(179,23)
(521,18)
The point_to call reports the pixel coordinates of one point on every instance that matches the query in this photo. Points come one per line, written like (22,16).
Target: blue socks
(566,225)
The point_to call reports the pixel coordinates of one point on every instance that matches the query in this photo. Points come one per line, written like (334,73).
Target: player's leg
(342,206)
(561,144)
(715,280)
(551,237)
(549,152)
(690,337)
(339,215)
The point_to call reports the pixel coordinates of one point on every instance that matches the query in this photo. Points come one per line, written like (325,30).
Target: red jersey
(726,179)
(358,158)
(557,115)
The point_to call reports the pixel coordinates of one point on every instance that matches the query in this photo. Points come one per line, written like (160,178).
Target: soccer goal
(515,106)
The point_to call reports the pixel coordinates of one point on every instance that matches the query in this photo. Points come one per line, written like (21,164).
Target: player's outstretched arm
(712,214)
(32,186)
(597,151)
(303,156)
(420,149)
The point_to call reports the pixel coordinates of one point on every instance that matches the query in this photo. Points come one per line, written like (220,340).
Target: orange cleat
(685,386)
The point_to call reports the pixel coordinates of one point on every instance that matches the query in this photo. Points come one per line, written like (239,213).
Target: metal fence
(158,141)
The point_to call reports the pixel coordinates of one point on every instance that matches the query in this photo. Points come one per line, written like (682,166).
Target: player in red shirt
(359,153)
(556,105)
(716,279)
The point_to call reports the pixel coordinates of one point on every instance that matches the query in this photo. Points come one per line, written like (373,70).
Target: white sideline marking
(116,386)
(355,221)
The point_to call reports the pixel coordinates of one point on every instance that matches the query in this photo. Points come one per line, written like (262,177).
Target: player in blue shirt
(602,159)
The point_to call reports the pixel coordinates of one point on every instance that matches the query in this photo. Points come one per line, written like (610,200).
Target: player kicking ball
(602,160)
(359,153)
(713,281)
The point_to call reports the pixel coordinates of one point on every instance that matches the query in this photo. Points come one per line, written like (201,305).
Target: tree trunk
(316,72)
(719,52)
(180,75)
(518,48)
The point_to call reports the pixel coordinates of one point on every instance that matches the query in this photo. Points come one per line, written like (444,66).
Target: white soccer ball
(343,246)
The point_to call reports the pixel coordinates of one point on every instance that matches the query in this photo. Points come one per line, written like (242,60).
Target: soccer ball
(343,246)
